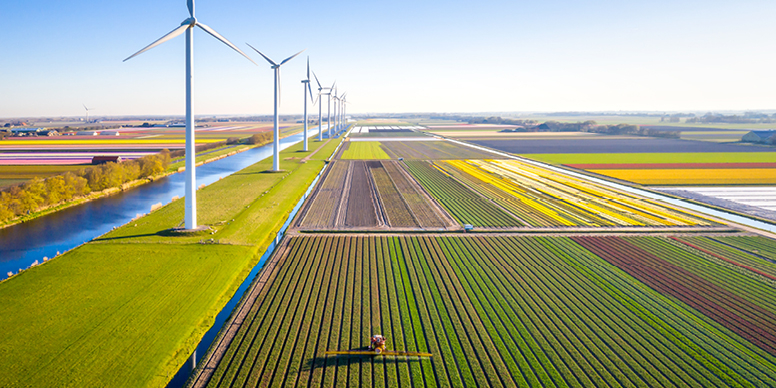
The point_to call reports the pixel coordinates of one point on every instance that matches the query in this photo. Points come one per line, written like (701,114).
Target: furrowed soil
(494,311)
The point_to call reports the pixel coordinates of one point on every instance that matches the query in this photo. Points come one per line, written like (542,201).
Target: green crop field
(129,308)
(500,312)
(699,157)
(364,150)
(461,202)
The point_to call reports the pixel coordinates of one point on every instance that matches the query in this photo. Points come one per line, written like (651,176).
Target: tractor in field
(377,348)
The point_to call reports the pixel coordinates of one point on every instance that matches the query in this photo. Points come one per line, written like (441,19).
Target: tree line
(38,193)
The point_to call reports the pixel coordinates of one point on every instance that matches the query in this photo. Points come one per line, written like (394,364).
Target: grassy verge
(128,308)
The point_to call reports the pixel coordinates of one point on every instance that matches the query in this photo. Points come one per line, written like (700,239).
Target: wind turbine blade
(223,40)
(318,82)
(333,85)
(191,7)
(308,70)
(291,57)
(87,109)
(161,40)
(310,88)
(271,62)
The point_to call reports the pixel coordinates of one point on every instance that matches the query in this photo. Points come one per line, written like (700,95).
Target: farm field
(369,195)
(656,158)
(495,193)
(132,143)
(505,311)
(588,145)
(410,150)
(756,201)
(703,168)
(363,150)
(426,150)
(496,133)
(693,176)
(129,308)
(15,174)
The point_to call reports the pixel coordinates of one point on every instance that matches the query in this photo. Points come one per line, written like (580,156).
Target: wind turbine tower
(87,113)
(320,108)
(306,83)
(276,140)
(187,26)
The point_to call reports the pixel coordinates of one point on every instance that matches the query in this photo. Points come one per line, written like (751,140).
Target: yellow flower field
(701,176)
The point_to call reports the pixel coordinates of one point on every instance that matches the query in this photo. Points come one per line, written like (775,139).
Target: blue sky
(397,56)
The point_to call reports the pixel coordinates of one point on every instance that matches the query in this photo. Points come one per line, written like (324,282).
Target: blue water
(23,244)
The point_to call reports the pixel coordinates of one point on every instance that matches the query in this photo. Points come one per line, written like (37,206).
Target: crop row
(737,311)
(544,198)
(694,176)
(432,150)
(753,252)
(397,213)
(494,311)
(466,206)
(325,203)
(368,194)
(426,213)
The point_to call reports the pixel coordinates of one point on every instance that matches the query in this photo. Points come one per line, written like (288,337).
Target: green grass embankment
(128,308)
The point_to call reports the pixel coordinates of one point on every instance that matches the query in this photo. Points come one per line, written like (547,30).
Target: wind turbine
(343,102)
(187,26)
(320,108)
(328,110)
(307,87)
(334,97)
(276,142)
(87,113)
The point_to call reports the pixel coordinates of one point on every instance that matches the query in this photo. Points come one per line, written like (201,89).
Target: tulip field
(509,193)
(506,311)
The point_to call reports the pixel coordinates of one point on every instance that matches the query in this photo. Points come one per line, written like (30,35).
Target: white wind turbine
(328,109)
(276,142)
(320,108)
(187,26)
(87,113)
(307,87)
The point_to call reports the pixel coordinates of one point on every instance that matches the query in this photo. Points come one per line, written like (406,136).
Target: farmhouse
(106,159)
(87,133)
(110,133)
(758,136)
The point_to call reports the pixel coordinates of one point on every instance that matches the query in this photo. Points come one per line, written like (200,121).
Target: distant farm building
(50,132)
(110,133)
(87,133)
(106,159)
(26,130)
(758,136)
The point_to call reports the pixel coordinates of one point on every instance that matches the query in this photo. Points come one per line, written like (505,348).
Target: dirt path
(307,158)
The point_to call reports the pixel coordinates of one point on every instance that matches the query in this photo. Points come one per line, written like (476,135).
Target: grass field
(658,157)
(129,308)
(364,150)
(691,177)
(500,312)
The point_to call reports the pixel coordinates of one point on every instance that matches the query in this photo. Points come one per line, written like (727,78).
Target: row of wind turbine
(187,26)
